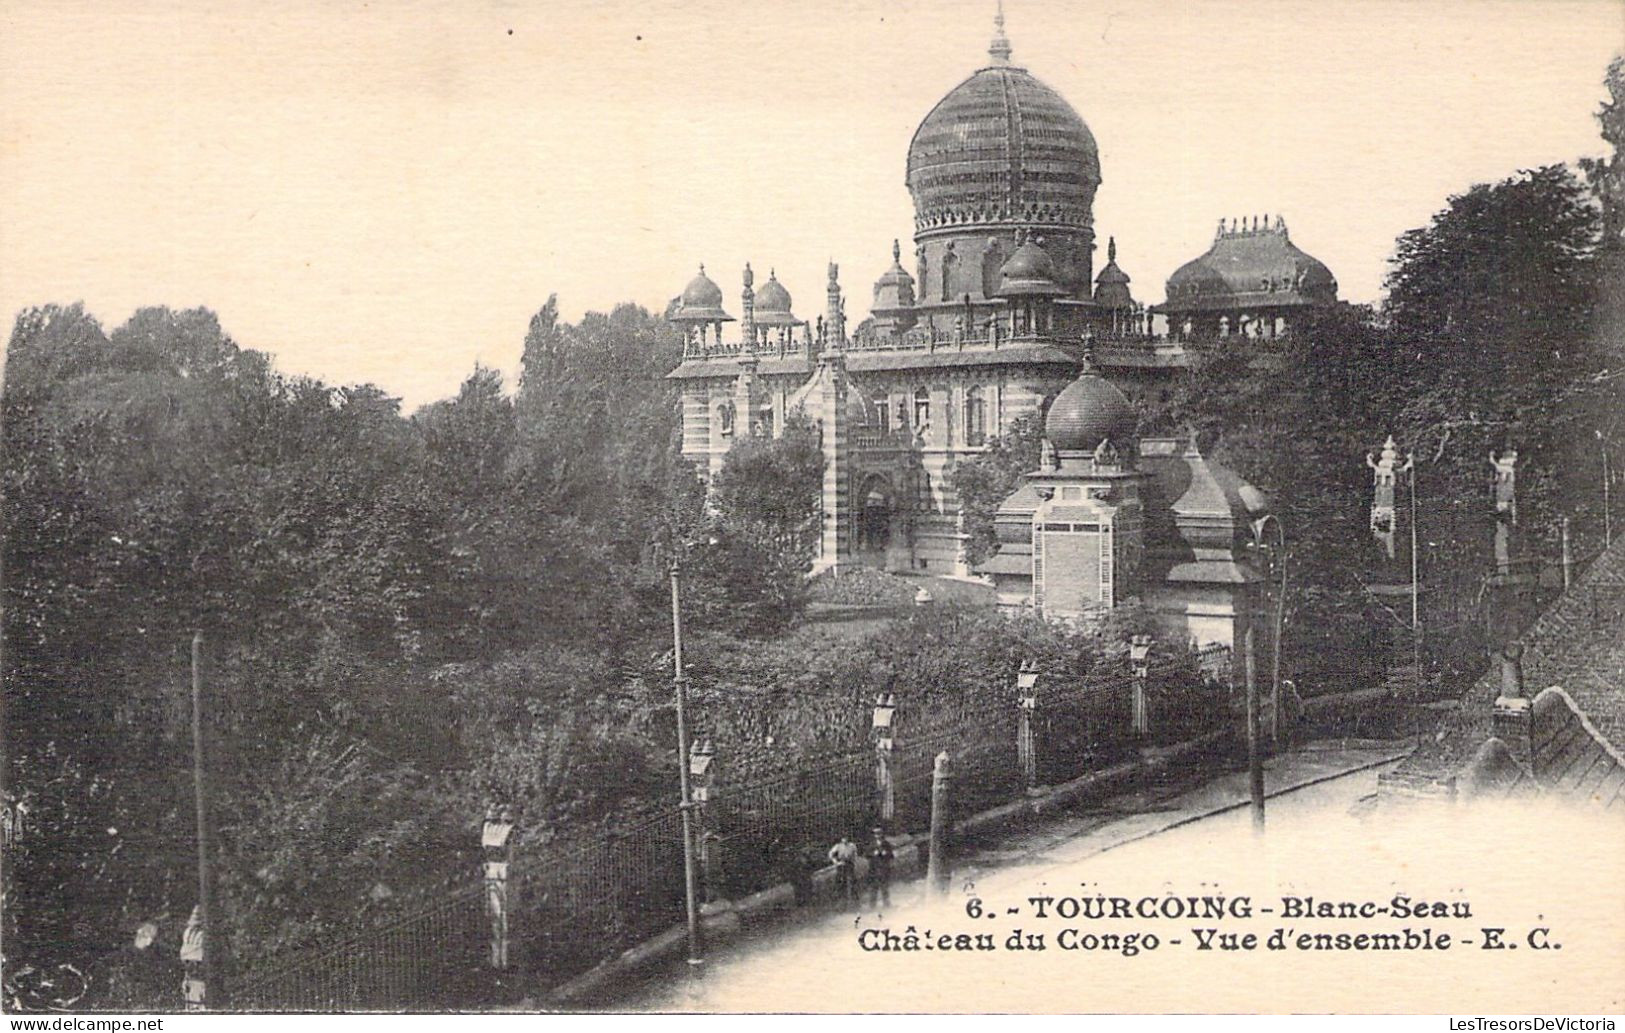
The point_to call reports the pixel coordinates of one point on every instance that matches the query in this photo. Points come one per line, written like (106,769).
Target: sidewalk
(1072,835)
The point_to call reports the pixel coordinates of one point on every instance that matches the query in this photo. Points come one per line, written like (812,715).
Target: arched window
(922,410)
(975,418)
(882,410)
(725,418)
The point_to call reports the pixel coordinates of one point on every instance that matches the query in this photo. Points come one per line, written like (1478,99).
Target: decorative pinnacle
(896,251)
(1111,249)
(999,49)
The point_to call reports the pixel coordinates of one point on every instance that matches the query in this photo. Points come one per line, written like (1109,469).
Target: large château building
(1002,310)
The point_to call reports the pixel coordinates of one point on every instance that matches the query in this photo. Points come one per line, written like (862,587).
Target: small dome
(773,303)
(895,288)
(1029,271)
(1089,411)
(1111,286)
(773,297)
(701,301)
(701,292)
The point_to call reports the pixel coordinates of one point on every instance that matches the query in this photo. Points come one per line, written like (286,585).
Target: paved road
(1171,839)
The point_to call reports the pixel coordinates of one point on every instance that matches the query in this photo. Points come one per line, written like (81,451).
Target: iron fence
(570,905)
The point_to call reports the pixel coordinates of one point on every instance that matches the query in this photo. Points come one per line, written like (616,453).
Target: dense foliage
(405,618)
(984,481)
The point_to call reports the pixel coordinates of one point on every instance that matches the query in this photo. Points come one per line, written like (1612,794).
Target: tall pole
(1607,514)
(1568,555)
(690,881)
(1416,602)
(213,940)
(1280,628)
(938,867)
(1255,759)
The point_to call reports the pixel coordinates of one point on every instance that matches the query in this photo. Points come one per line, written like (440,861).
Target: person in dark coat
(881,856)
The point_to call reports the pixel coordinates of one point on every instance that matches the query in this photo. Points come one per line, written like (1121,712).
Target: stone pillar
(745,397)
(1506,508)
(835,541)
(496,850)
(747,320)
(1511,715)
(1026,723)
(1140,710)
(885,742)
(194,991)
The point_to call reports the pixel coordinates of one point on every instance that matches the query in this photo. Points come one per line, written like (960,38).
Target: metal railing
(571,905)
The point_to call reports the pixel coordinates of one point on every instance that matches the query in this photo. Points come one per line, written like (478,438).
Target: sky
(386,193)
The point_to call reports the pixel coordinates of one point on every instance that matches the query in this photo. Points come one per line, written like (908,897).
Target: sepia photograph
(1031,507)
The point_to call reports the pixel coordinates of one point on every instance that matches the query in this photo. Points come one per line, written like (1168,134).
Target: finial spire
(999,49)
(896,251)
(1111,249)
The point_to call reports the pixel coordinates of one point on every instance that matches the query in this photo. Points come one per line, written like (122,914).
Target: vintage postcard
(888,506)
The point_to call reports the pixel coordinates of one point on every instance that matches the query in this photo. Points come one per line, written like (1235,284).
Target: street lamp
(1259,528)
(686,806)
(1607,513)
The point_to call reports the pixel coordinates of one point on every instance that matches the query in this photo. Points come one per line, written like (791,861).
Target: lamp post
(1607,509)
(686,806)
(1279,554)
(212,993)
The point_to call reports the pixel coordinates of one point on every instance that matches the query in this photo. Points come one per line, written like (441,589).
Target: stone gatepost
(1026,716)
(885,783)
(496,851)
(1511,715)
(1139,706)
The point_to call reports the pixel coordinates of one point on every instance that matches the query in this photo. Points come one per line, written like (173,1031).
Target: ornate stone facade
(997,317)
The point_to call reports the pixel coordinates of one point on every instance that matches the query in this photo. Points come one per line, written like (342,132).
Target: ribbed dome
(1029,271)
(701,300)
(1088,412)
(1002,146)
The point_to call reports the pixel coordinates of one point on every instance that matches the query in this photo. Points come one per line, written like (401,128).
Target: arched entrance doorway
(874,521)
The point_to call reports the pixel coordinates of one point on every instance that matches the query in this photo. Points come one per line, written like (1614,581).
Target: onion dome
(773,303)
(1002,146)
(1111,286)
(1029,271)
(1253,265)
(1089,411)
(895,288)
(701,302)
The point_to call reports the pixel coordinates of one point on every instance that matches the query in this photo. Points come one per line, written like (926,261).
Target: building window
(882,407)
(922,410)
(725,418)
(975,418)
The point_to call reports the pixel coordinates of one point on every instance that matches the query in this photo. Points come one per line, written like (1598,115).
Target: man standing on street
(881,856)
(844,855)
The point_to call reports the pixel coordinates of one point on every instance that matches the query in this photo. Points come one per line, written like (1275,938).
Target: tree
(1501,279)
(769,489)
(1607,175)
(984,481)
